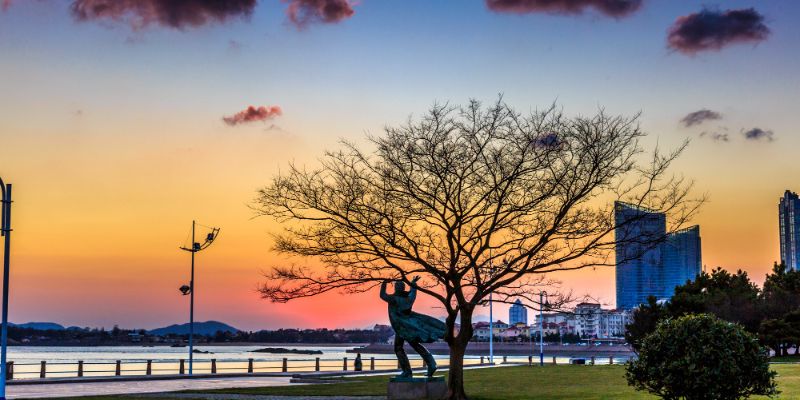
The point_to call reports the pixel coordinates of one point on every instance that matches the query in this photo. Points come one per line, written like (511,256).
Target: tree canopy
(701,357)
(474,200)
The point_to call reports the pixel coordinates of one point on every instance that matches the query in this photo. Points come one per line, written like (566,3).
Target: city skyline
(117,137)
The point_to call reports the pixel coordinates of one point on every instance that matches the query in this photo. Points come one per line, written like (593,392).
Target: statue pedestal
(417,388)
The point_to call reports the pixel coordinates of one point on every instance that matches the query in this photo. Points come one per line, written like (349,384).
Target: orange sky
(97,232)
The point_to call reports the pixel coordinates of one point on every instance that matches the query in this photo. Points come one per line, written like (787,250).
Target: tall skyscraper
(789,221)
(517,313)
(650,262)
(681,258)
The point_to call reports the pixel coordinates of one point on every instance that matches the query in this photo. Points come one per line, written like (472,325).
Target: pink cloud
(178,14)
(253,114)
(303,12)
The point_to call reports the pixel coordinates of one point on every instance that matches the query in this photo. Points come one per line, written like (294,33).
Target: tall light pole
(194,248)
(491,332)
(491,317)
(532,328)
(5,231)
(542,295)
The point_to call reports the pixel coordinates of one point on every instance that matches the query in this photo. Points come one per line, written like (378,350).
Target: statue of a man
(411,327)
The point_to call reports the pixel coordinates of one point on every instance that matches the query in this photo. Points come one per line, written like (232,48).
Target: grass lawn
(551,382)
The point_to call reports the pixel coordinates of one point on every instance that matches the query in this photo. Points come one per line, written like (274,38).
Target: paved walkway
(106,388)
(264,397)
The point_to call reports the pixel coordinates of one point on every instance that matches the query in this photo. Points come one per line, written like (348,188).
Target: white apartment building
(587,320)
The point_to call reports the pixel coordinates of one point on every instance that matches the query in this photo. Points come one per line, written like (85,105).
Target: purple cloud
(611,8)
(700,116)
(758,135)
(303,12)
(714,29)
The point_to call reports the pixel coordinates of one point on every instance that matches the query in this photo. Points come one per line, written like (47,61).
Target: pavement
(161,388)
(264,397)
(44,391)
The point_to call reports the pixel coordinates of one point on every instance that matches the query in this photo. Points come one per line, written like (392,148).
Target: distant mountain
(42,326)
(200,328)
(77,328)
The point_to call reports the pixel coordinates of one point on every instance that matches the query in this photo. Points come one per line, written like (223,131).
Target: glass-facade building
(650,262)
(789,221)
(681,258)
(517,313)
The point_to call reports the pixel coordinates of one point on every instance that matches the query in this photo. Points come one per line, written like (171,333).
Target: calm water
(101,361)
(59,354)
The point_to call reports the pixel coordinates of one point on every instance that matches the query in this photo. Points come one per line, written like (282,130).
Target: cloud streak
(716,136)
(177,14)
(700,116)
(301,13)
(611,8)
(759,135)
(253,114)
(713,29)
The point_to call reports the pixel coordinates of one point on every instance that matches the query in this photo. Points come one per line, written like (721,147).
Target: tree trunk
(455,378)
(458,347)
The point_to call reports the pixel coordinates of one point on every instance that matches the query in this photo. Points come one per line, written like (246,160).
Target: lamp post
(491,317)
(194,248)
(531,329)
(491,332)
(5,231)
(542,305)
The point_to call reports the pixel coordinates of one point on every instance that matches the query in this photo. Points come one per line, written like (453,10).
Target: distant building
(480,330)
(650,262)
(789,221)
(517,313)
(588,320)
(681,260)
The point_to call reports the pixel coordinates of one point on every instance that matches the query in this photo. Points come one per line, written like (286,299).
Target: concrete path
(105,388)
(201,396)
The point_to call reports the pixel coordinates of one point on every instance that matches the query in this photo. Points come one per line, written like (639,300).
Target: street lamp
(189,289)
(491,317)
(531,329)
(542,304)
(5,231)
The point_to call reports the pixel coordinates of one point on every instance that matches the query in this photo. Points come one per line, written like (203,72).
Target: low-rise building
(480,330)
(587,320)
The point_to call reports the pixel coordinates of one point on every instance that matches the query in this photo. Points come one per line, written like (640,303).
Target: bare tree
(475,200)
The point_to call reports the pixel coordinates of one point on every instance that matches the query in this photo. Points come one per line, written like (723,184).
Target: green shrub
(701,357)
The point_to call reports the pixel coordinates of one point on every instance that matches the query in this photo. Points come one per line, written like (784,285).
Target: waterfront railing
(128,368)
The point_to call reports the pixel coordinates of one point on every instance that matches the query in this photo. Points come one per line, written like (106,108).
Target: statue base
(401,388)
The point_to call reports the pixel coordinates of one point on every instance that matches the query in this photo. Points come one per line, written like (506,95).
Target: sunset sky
(120,125)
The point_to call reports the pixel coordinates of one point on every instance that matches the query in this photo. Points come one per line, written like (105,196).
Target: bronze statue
(411,327)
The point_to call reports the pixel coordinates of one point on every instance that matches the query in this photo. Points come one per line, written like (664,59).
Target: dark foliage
(645,320)
(732,297)
(701,357)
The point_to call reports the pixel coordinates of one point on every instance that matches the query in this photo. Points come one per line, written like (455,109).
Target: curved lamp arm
(3,209)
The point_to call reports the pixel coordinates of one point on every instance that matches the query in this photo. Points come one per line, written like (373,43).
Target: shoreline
(510,349)
(161,345)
